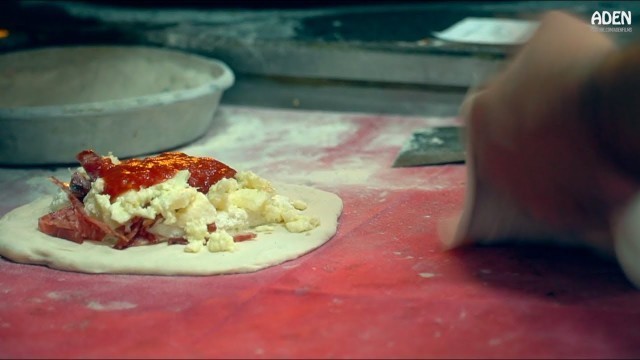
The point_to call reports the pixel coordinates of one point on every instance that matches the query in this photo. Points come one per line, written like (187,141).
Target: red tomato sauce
(135,174)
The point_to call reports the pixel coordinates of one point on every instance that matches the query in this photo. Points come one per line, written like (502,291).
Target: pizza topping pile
(175,198)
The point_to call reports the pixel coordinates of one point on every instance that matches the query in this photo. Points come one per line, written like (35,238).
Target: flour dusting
(313,148)
(110,306)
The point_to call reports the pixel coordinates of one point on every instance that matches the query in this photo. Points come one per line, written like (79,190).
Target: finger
(449,234)
(627,240)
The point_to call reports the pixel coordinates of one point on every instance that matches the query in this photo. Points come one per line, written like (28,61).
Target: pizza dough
(21,241)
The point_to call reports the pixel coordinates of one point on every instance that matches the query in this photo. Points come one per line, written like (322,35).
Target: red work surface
(382,287)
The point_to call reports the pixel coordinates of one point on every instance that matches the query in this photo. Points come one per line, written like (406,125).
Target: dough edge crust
(20,241)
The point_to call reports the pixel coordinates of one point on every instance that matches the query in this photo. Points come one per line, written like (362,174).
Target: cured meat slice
(73,223)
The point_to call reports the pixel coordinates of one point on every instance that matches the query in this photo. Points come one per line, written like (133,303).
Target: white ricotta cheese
(245,202)
(220,241)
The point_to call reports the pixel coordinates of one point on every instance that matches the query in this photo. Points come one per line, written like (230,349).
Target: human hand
(536,167)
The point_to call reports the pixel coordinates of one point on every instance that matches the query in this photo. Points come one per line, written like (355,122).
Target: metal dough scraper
(432,146)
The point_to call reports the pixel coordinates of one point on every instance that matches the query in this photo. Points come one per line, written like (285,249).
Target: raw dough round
(21,241)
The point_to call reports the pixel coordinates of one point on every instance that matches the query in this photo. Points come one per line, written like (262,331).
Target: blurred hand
(533,154)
